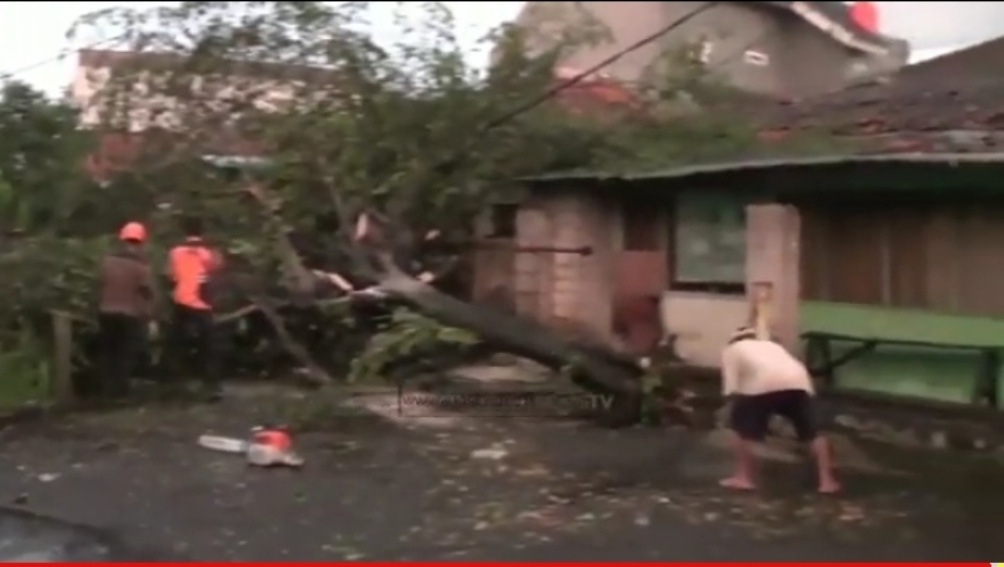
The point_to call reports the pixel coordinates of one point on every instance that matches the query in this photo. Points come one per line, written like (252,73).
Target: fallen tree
(366,147)
(593,366)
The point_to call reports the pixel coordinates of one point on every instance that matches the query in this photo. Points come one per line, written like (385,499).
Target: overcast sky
(942,24)
(32,33)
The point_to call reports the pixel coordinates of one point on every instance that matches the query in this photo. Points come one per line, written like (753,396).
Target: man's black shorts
(751,414)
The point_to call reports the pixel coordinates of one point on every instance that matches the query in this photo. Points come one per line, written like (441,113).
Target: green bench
(908,352)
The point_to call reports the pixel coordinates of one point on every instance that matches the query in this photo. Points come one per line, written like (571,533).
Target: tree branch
(294,269)
(316,374)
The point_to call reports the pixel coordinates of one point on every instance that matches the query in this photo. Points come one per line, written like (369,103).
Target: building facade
(788,50)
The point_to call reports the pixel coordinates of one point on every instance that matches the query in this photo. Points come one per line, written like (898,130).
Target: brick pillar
(773,234)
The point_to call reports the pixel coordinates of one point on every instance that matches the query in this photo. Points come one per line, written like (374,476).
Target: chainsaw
(266,446)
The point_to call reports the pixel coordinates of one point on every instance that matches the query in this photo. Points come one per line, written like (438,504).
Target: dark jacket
(126,284)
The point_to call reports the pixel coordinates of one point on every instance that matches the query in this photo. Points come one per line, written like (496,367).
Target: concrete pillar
(531,277)
(583,290)
(773,234)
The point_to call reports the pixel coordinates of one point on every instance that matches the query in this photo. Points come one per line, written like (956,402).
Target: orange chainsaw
(267,446)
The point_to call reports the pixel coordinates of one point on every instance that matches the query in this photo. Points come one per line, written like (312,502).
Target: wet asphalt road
(562,490)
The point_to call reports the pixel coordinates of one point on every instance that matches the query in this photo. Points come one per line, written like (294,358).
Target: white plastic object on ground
(224,444)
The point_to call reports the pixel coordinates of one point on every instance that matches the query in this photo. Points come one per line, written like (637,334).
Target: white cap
(744,332)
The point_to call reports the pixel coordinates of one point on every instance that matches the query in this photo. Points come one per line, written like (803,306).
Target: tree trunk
(592,368)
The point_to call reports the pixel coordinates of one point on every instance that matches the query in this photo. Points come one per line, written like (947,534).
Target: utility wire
(578,78)
(56,58)
(491,124)
(480,134)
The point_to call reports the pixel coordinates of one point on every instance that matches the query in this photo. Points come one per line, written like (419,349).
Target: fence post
(62,340)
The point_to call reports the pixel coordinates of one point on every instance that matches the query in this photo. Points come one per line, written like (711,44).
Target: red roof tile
(958,91)
(597,93)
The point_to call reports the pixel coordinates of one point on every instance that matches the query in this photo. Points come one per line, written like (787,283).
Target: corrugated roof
(749,166)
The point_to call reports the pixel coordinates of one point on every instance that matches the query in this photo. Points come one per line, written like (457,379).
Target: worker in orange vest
(192,338)
(124,310)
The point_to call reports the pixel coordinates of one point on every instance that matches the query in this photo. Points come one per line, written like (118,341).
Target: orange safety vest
(190,267)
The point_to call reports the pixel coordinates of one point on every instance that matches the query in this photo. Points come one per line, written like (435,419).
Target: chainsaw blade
(223,444)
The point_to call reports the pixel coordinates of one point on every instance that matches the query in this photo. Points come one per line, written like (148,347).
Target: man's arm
(147,289)
(730,372)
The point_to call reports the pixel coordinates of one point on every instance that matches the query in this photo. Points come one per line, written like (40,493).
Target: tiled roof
(595,93)
(958,91)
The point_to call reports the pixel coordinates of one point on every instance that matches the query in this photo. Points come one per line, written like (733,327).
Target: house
(152,119)
(788,50)
(894,249)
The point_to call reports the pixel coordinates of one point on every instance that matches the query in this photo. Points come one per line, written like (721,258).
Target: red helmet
(133,231)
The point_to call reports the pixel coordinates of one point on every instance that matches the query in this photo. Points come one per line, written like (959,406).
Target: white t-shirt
(753,366)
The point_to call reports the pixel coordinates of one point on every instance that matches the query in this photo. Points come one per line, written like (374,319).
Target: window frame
(502,220)
(756,58)
(711,284)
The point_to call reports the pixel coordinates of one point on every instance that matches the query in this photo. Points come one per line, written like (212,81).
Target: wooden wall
(937,257)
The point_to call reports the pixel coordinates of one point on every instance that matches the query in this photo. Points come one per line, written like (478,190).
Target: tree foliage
(407,128)
(41,152)
(404,127)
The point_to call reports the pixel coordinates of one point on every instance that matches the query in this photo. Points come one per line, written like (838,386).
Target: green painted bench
(955,358)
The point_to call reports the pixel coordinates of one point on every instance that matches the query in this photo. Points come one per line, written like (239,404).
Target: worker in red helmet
(125,309)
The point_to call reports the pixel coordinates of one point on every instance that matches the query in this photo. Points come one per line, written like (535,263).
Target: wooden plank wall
(942,258)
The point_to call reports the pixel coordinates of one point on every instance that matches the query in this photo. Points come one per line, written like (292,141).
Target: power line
(578,78)
(491,124)
(479,135)
(56,58)
(498,121)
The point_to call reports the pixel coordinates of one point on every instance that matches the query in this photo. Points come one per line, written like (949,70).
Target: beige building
(150,114)
(781,49)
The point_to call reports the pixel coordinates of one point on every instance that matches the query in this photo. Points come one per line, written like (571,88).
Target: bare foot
(829,487)
(737,483)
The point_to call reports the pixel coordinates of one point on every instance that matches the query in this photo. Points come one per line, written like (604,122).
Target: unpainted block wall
(561,288)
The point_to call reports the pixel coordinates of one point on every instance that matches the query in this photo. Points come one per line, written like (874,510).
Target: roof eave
(847,35)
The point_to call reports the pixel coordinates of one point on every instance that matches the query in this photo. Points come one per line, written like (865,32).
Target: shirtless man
(761,379)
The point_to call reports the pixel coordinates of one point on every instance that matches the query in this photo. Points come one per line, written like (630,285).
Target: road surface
(479,488)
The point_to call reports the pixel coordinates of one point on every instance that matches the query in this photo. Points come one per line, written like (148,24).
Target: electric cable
(581,76)
(6,76)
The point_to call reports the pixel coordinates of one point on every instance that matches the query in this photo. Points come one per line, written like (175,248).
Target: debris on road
(490,453)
